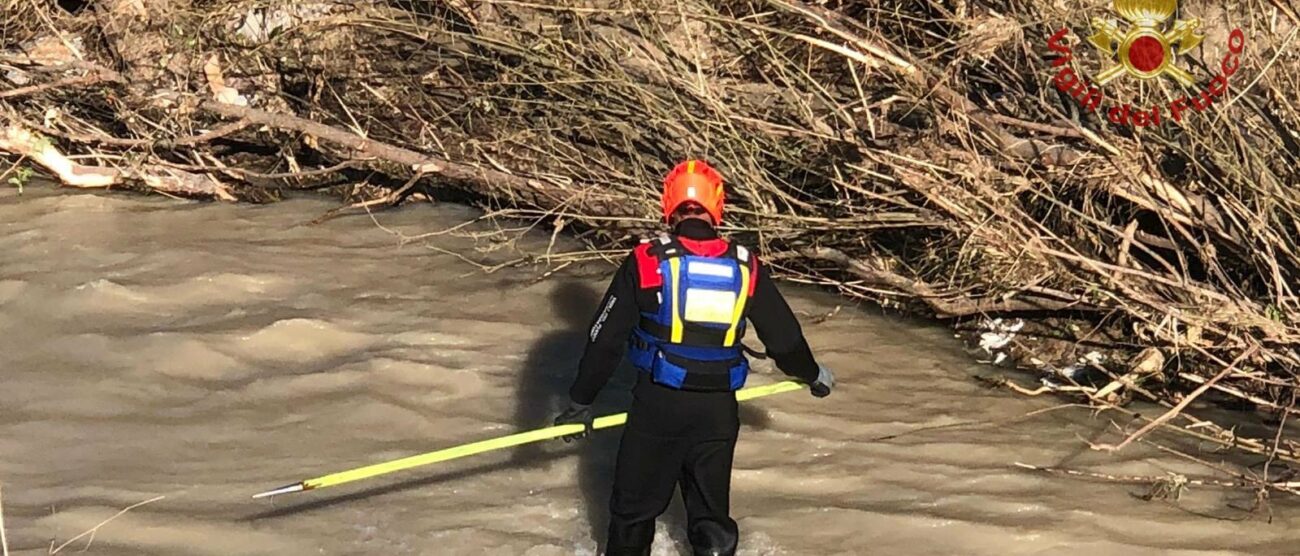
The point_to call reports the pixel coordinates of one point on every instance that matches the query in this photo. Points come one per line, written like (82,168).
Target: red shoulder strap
(753,273)
(647,266)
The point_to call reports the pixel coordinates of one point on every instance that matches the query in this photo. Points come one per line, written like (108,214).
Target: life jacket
(693,342)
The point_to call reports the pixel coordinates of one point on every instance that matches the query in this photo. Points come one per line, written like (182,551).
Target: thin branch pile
(924,154)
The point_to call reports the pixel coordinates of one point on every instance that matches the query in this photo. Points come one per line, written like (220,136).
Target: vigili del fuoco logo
(1146,46)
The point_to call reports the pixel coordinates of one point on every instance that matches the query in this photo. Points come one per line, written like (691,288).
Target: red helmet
(694,180)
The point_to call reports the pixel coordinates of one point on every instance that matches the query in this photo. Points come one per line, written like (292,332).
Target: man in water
(679,304)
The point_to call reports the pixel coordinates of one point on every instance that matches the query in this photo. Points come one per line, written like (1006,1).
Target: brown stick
(94,529)
(1035,126)
(942,306)
(65,82)
(4,542)
(18,140)
(1290,13)
(91,139)
(217,133)
(915,73)
(482,180)
(414,161)
(1141,479)
(285,175)
(188,141)
(1183,404)
(1239,393)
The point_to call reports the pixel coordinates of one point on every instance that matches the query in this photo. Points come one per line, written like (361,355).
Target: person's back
(679,304)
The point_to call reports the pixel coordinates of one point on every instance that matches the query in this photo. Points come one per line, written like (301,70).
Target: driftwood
(482,180)
(17,140)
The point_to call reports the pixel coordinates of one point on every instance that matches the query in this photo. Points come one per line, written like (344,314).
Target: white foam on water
(301,341)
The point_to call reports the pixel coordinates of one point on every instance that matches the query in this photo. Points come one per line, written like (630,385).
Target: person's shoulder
(743,254)
(642,264)
(643,249)
(652,246)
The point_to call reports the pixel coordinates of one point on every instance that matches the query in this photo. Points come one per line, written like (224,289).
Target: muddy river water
(206,352)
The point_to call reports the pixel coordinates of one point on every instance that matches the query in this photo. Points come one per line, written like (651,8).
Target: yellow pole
(464,450)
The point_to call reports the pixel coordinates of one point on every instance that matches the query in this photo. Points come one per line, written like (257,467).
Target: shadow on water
(542,392)
(549,368)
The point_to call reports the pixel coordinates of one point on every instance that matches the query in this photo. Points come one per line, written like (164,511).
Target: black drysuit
(677,437)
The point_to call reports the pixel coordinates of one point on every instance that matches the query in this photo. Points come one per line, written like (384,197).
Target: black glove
(824,383)
(575,414)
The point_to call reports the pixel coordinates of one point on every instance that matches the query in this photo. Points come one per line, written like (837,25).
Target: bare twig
(94,529)
(4,541)
(1187,400)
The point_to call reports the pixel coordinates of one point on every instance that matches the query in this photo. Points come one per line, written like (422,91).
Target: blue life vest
(693,342)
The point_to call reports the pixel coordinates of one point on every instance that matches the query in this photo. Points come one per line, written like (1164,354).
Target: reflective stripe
(692,342)
(675,271)
(740,307)
(711,269)
(709,306)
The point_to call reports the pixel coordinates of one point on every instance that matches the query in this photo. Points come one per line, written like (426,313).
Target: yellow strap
(740,306)
(690,167)
(674,272)
(481,446)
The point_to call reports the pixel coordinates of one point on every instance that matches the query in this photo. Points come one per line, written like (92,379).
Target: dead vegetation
(911,152)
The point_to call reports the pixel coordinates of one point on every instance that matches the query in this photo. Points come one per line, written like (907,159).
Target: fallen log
(481,179)
(16,139)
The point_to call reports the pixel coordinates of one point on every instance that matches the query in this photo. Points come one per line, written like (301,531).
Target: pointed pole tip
(296,487)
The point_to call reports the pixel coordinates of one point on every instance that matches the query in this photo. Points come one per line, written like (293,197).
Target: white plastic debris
(1071,372)
(999,333)
(260,24)
(18,77)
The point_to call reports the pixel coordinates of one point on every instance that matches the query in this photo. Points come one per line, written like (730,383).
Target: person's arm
(779,330)
(608,334)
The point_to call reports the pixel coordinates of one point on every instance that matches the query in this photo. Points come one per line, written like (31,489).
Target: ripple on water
(11,290)
(308,386)
(101,296)
(189,358)
(152,529)
(104,297)
(161,353)
(207,289)
(302,341)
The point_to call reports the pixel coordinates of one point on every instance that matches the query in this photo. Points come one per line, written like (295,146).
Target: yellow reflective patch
(711,306)
(730,340)
(674,277)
